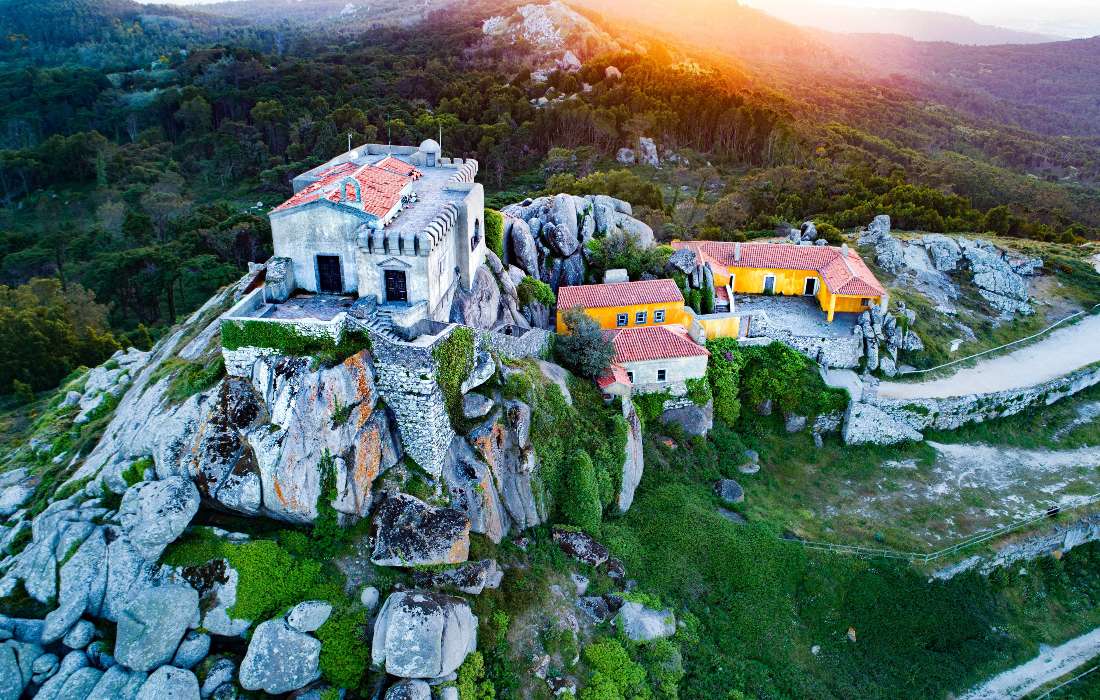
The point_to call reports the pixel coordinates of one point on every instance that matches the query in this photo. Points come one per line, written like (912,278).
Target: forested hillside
(147,180)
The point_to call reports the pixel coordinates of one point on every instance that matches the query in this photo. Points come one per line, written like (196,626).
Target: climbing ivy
(494,232)
(454,359)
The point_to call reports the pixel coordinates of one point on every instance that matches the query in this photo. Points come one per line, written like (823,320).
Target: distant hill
(921,25)
(68,22)
(1051,88)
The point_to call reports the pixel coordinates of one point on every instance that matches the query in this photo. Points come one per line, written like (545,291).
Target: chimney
(737,252)
(844,249)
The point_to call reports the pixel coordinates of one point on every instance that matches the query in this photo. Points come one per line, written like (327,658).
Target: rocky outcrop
(634,460)
(868,424)
(471,577)
(643,624)
(549,235)
(280,659)
(153,624)
(155,513)
(420,634)
(582,547)
(409,532)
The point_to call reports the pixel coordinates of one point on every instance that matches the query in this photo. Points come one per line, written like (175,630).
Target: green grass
(761,603)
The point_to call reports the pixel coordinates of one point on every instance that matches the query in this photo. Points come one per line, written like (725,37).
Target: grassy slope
(759,604)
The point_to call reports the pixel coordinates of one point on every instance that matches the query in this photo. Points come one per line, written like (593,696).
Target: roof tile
(594,296)
(643,343)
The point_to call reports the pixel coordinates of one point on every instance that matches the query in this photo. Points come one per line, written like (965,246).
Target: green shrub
(580,498)
(613,674)
(494,232)
(706,301)
(724,376)
(328,538)
(664,665)
(651,406)
(699,391)
(622,184)
(193,377)
(472,683)
(830,233)
(454,361)
(695,300)
(135,473)
(345,647)
(531,289)
(583,348)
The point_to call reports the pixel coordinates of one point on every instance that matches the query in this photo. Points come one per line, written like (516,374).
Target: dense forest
(141,147)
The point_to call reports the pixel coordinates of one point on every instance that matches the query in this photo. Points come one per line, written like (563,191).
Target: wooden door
(329,279)
(396,291)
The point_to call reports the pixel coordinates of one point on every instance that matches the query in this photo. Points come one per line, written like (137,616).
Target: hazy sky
(1075,18)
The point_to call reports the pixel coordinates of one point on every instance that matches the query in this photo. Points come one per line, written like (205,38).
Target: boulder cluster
(547,238)
(999,275)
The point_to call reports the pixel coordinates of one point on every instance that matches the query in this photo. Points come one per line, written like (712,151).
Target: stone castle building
(398,224)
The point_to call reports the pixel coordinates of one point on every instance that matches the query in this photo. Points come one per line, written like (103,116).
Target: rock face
(581,546)
(549,235)
(644,624)
(420,634)
(729,491)
(280,659)
(866,423)
(308,616)
(471,577)
(478,307)
(152,625)
(168,682)
(154,513)
(412,533)
(634,462)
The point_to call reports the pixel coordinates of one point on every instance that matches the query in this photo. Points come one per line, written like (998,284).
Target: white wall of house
(677,372)
(306,231)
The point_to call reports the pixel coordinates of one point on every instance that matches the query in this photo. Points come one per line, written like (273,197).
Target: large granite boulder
(409,689)
(561,233)
(634,461)
(412,533)
(525,253)
(480,306)
(83,582)
(117,683)
(11,676)
(473,490)
(309,615)
(581,546)
(866,423)
(643,624)
(155,513)
(472,577)
(280,659)
(153,624)
(420,634)
(943,251)
(692,419)
(170,683)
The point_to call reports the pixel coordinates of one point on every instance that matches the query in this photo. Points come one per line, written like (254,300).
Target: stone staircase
(380,322)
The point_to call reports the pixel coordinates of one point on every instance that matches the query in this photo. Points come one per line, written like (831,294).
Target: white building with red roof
(653,358)
(398,224)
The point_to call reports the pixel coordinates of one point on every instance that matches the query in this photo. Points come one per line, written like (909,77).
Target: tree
(46,332)
(269,115)
(580,497)
(584,349)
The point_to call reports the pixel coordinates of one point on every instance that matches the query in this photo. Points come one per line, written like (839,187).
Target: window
(630,376)
(769,284)
(477,235)
(866,303)
(621,320)
(640,318)
(659,316)
(811,286)
(661,375)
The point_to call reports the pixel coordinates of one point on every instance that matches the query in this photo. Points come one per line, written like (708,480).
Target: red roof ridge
(594,296)
(642,343)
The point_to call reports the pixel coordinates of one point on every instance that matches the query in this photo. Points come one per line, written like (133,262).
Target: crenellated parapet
(381,241)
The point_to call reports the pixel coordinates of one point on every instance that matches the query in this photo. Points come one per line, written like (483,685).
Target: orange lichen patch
(488,443)
(460,550)
(368,461)
(279,491)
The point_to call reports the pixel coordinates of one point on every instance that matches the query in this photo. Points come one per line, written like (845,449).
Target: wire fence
(1064,683)
(1006,345)
(972,541)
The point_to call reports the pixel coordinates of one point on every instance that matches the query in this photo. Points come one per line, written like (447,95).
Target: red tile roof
(399,167)
(380,189)
(842,273)
(595,296)
(643,343)
(615,374)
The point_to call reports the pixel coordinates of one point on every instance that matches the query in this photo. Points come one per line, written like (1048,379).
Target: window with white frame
(659,316)
(630,376)
(640,318)
(621,320)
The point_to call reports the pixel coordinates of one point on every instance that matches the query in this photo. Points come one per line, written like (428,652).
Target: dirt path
(1063,351)
(1050,664)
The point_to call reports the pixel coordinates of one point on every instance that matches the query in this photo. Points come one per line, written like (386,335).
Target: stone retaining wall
(885,420)
(534,342)
(1058,539)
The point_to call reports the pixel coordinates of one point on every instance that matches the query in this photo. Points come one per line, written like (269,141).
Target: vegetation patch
(454,361)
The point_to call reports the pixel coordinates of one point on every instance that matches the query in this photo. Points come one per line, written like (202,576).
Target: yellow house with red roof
(836,276)
(625,304)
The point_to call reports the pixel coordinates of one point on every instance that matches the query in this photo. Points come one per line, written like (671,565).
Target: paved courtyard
(323,307)
(799,315)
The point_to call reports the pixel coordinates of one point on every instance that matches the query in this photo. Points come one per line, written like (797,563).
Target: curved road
(1063,351)
(1052,663)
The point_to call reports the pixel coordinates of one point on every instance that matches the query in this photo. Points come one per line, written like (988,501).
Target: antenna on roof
(349,141)
(440,123)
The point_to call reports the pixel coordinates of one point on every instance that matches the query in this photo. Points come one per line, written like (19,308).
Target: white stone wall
(304,232)
(677,372)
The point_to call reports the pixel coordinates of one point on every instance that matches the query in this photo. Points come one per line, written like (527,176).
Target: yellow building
(625,304)
(837,277)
